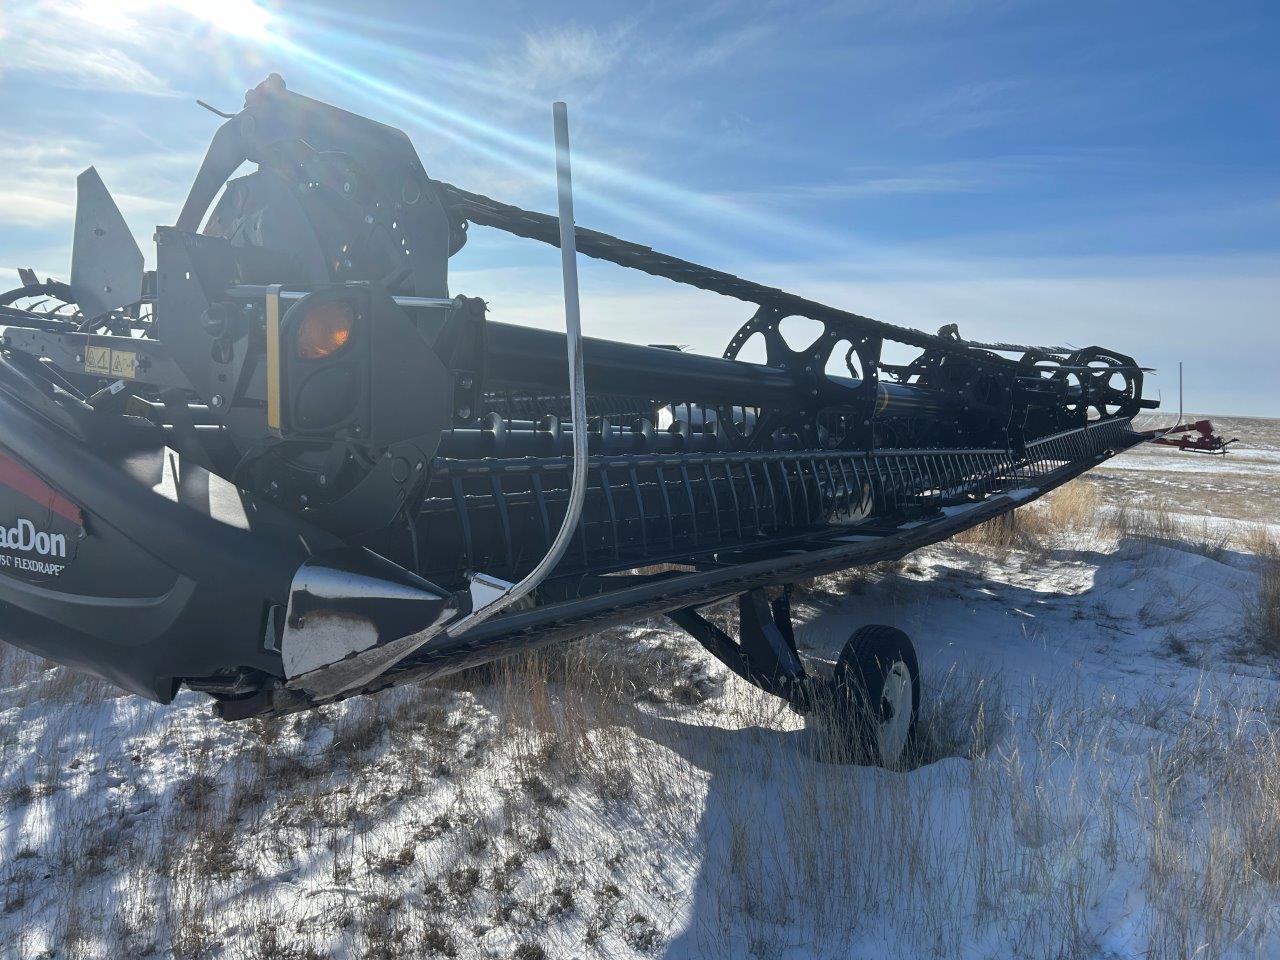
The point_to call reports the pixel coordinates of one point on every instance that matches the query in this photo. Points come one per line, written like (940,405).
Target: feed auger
(289,466)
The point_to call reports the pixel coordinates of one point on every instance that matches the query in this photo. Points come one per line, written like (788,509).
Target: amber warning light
(324,330)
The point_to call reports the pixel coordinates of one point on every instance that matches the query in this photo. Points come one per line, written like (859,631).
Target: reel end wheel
(873,701)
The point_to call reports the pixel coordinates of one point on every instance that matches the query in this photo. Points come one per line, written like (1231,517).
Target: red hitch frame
(1197,437)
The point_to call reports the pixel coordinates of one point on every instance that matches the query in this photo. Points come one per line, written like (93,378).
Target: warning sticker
(97,360)
(124,364)
(105,362)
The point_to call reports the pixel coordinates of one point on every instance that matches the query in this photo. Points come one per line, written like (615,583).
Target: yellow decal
(105,362)
(273,357)
(124,364)
(97,360)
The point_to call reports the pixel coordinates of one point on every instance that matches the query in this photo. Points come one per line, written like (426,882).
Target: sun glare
(238,18)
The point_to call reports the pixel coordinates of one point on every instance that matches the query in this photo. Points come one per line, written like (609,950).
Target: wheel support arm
(765,655)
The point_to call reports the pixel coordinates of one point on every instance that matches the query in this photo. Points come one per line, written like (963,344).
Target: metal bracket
(766,654)
(106,264)
(461,347)
(352,616)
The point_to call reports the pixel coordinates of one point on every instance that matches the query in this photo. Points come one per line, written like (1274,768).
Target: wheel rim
(896,707)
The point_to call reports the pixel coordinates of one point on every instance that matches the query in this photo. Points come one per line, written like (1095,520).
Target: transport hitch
(1196,437)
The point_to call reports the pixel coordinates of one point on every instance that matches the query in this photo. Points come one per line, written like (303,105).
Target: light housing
(375,385)
(323,352)
(325,329)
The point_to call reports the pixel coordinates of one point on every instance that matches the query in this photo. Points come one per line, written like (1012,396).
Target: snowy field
(1097,775)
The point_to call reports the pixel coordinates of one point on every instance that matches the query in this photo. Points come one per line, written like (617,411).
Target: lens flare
(332,45)
(241,37)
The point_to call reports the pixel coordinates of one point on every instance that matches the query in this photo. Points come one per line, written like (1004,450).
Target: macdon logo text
(26,538)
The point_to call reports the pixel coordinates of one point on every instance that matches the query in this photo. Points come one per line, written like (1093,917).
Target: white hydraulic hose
(1177,423)
(577,388)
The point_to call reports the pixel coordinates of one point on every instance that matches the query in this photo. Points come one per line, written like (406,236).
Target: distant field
(1243,485)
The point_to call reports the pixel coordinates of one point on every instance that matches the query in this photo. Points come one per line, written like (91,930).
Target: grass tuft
(1262,610)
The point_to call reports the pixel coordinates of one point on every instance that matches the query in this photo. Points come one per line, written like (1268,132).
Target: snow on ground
(1240,486)
(1097,775)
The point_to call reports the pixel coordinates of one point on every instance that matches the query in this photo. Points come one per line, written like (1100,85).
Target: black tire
(870,691)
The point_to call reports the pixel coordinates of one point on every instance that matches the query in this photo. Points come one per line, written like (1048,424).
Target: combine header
(289,465)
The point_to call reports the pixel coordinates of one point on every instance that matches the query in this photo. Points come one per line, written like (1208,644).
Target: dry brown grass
(1158,524)
(1076,508)
(1071,508)
(1208,800)
(1050,803)
(601,770)
(1153,523)
(1051,812)
(1262,611)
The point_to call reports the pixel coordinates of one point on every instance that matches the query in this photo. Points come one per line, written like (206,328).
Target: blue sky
(1079,172)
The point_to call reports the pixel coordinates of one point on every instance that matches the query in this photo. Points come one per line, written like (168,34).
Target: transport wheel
(876,693)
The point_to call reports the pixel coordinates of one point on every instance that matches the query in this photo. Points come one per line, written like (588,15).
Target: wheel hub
(895,712)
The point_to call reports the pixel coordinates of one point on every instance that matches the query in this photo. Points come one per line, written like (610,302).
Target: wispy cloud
(79,65)
(1004,172)
(569,54)
(76,45)
(965,107)
(38,193)
(565,58)
(861,185)
(38,188)
(132,46)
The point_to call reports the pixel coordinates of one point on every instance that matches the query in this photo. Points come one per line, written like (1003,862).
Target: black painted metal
(586,604)
(477,208)
(765,653)
(722,475)
(494,514)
